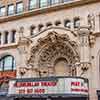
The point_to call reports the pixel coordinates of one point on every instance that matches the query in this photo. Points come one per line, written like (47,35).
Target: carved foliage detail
(51,47)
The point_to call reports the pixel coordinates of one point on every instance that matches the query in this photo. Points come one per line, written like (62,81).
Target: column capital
(83,31)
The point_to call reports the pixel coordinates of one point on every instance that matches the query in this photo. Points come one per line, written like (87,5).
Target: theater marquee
(61,85)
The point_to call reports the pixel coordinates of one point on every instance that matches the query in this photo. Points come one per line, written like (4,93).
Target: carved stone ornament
(92,40)
(91,21)
(52,47)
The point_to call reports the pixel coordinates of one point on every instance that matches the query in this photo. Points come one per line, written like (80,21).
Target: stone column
(84,44)
(51,71)
(2,38)
(97,23)
(17,36)
(84,48)
(10,37)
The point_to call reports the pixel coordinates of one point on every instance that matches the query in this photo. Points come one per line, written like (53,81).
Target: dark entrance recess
(59,98)
(98,93)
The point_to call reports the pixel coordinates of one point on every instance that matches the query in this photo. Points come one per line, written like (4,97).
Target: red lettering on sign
(39,91)
(31,84)
(48,83)
(79,90)
(29,91)
(26,84)
(21,91)
(75,83)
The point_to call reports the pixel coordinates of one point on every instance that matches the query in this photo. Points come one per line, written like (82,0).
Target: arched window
(57,23)
(48,24)
(13,38)
(32,30)
(7,63)
(67,23)
(6,37)
(76,22)
(40,26)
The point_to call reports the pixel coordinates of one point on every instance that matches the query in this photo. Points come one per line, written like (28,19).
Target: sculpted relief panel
(52,47)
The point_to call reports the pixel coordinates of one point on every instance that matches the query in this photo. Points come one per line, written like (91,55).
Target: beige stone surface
(21,51)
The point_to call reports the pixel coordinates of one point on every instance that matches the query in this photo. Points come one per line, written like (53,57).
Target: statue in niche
(91,21)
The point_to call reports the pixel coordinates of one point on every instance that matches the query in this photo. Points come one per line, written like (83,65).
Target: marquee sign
(59,85)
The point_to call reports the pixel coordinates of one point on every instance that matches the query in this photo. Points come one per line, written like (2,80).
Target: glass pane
(1,65)
(68,0)
(19,7)
(14,65)
(0,38)
(55,1)
(76,23)
(6,38)
(43,3)
(10,9)
(68,24)
(33,4)
(2,11)
(8,63)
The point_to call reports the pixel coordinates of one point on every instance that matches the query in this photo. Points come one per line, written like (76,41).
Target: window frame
(0,38)
(76,19)
(6,36)
(53,3)
(3,61)
(40,26)
(32,7)
(18,11)
(12,10)
(2,13)
(65,1)
(46,4)
(13,36)
(32,28)
(67,21)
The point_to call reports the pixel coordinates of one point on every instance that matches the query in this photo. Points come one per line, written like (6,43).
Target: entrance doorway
(61,67)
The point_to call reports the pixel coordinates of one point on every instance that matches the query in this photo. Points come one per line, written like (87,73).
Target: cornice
(97,34)
(8,46)
(47,9)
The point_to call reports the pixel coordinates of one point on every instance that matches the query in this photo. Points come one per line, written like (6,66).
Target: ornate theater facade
(49,49)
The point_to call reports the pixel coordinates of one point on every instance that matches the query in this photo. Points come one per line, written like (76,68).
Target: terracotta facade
(54,49)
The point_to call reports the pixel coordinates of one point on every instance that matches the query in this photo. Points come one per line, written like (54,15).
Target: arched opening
(7,63)
(61,67)
(54,55)
(7,71)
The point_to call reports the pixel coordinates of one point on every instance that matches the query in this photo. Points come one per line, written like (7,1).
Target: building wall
(81,11)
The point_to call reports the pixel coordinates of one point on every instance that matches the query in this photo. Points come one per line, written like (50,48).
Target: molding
(97,34)
(8,46)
